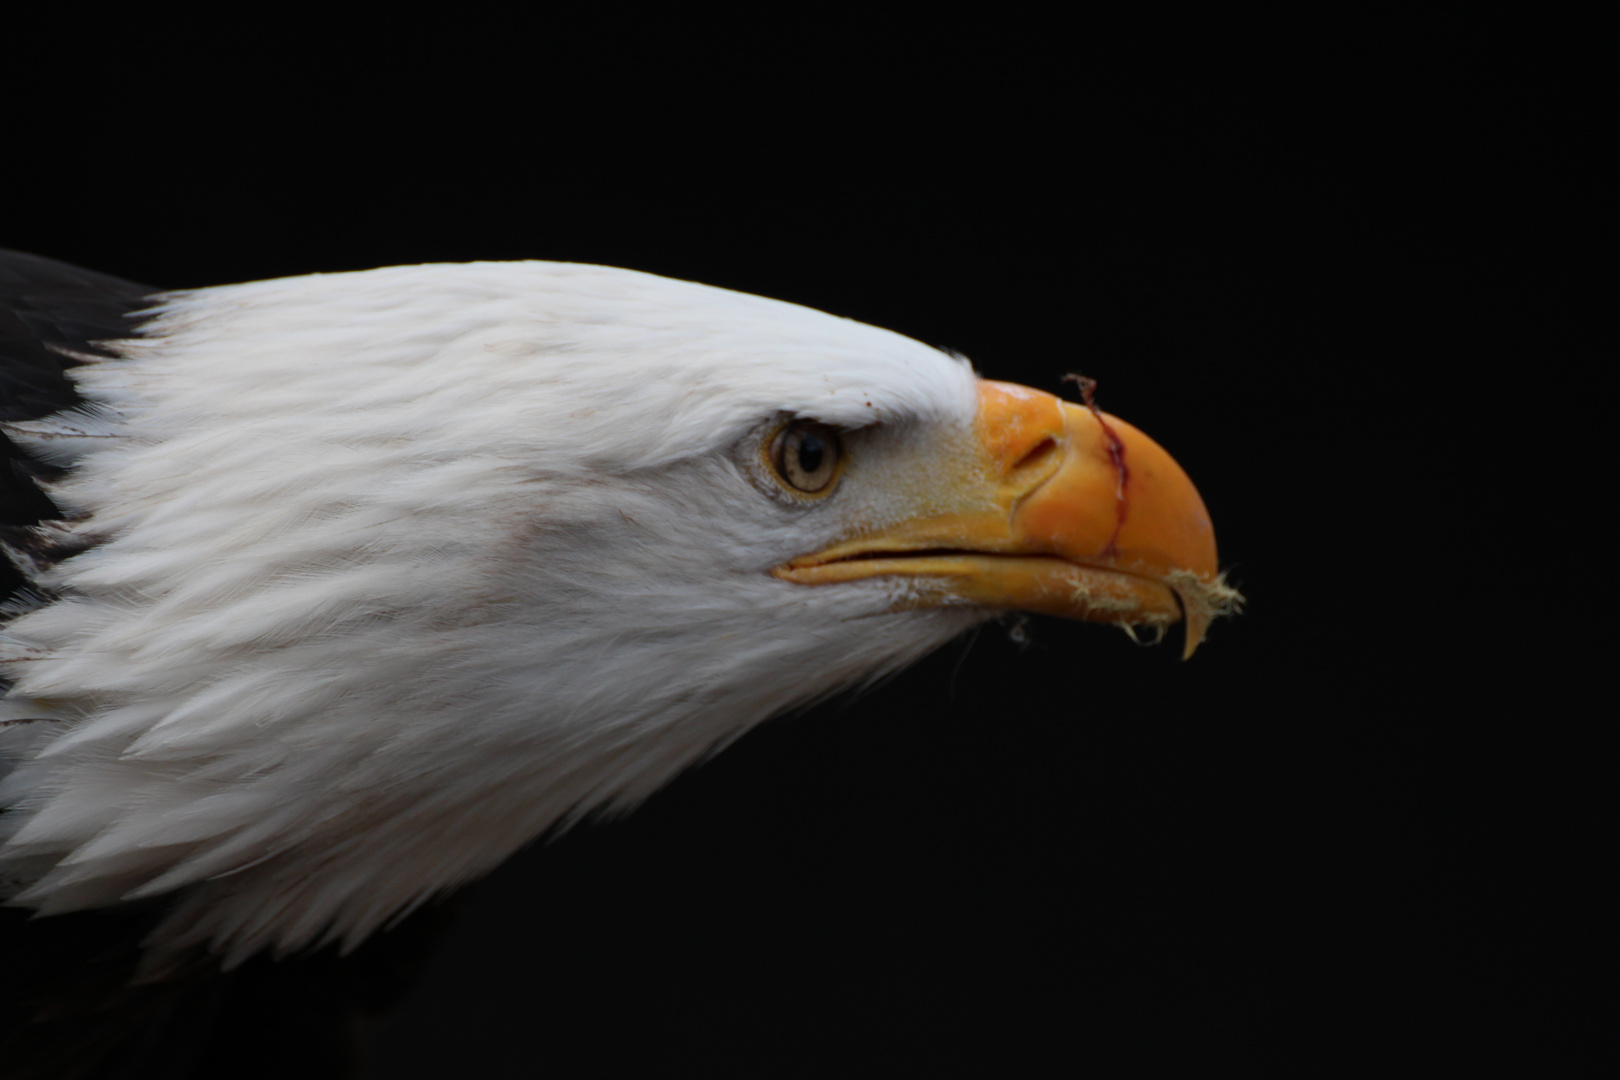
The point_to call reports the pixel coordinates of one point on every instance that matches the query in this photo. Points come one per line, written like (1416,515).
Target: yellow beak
(1066,511)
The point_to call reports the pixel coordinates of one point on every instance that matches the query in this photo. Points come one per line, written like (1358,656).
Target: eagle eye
(806,457)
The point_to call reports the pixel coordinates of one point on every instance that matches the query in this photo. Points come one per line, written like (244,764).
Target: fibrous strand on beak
(1116,456)
(1202,602)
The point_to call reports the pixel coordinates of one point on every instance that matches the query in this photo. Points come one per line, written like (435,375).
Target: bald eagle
(338,589)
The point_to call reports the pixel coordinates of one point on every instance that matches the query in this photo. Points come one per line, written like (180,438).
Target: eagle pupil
(811,450)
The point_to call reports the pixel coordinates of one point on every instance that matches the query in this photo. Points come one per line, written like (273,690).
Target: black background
(1282,252)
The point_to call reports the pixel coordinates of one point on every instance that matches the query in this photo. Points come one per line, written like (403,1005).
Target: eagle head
(362,581)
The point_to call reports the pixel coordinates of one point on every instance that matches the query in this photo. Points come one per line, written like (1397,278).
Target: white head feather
(393,571)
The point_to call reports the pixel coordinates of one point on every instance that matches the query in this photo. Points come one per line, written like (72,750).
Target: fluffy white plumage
(392,571)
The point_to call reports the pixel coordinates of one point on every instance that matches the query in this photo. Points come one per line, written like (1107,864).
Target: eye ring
(806,457)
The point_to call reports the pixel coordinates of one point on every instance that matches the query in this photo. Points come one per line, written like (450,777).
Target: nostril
(1037,454)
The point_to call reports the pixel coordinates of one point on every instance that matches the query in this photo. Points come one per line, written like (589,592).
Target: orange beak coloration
(1067,511)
